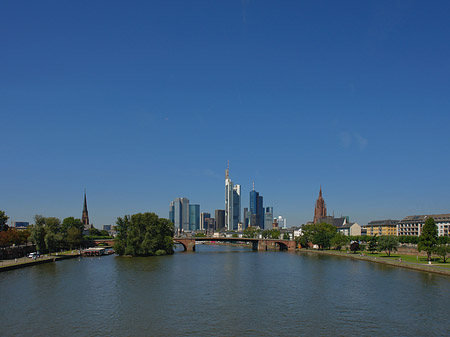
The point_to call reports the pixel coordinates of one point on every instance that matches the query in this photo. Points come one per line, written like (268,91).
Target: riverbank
(7,265)
(383,260)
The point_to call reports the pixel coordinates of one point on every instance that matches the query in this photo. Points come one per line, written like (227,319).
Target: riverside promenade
(391,261)
(22,262)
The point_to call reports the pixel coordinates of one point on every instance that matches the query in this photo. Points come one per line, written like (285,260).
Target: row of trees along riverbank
(325,237)
(49,234)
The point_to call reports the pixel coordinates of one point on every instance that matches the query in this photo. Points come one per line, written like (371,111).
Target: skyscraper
(203,217)
(85,214)
(236,206)
(220,219)
(321,209)
(268,217)
(179,210)
(194,217)
(232,202)
(256,209)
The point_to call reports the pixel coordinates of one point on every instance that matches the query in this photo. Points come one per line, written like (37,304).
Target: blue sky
(141,102)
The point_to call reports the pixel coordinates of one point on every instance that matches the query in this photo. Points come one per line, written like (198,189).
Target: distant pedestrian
(15,259)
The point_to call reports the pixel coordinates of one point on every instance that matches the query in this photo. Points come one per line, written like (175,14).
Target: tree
(74,237)
(250,232)
(388,243)
(354,246)
(428,237)
(373,244)
(94,232)
(442,251)
(51,241)
(37,232)
(317,234)
(143,234)
(323,235)
(3,220)
(338,241)
(53,225)
(71,222)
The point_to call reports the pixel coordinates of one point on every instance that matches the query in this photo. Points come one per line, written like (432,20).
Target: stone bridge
(257,244)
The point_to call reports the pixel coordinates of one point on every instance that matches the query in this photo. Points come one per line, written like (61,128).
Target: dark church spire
(85,215)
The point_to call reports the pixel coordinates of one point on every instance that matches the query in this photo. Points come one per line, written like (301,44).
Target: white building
(412,224)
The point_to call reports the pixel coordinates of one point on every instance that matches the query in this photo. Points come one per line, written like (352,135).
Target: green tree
(94,232)
(143,234)
(387,243)
(104,232)
(373,244)
(71,222)
(428,238)
(3,220)
(51,241)
(53,225)
(74,237)
(275,234)
(286,236)
(442,251)
(37,232)
(339,240)
(250,232)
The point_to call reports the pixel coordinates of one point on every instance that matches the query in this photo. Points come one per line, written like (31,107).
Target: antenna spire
(253,185)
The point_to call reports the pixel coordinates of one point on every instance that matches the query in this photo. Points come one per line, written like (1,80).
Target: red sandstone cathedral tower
(321,208)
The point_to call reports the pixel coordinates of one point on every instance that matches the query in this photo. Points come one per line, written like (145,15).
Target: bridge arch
(282,245)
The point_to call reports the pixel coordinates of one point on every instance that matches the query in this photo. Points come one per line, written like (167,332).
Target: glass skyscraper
(232,203)
(194,217)
(268,217)
(179,214)
(256,209)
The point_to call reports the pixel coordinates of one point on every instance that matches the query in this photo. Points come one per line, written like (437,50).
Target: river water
(223,291)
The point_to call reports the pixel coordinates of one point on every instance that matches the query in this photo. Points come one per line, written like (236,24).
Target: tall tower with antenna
(232,202)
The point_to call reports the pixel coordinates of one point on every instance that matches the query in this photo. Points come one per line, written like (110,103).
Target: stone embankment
(26,262)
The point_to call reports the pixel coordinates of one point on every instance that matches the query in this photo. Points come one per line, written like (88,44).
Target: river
(222,291)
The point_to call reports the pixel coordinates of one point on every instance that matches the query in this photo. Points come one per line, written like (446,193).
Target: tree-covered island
(143,234)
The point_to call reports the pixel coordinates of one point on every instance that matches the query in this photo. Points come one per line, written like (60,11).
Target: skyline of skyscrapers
(187,216)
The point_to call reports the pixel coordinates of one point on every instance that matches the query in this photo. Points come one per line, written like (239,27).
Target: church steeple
(85,214)
(321,209)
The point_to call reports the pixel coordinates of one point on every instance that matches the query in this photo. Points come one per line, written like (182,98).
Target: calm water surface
(222,291)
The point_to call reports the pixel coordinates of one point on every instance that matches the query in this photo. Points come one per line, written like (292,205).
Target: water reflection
(226,291)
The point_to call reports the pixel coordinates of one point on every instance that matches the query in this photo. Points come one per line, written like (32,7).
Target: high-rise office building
(256,209)
(247,216)
(179,211)
(236,206)
(203,217)
(172,212)
(194,217)
(220,219)
(232,203)
(282,222)
(268,217)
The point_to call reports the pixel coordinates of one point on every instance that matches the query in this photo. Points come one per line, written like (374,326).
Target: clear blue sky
(145,101)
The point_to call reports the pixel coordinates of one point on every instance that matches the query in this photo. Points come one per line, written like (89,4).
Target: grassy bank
(398,260)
